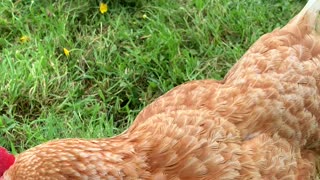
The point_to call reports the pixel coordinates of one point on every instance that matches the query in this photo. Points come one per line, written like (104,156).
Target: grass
(119,61)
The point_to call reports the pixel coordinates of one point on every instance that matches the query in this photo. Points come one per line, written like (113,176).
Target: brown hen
(260,122)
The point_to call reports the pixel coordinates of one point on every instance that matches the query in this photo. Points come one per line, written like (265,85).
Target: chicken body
(260,122)
(182,144)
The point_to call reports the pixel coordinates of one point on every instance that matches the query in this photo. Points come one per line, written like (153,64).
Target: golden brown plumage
(260,122)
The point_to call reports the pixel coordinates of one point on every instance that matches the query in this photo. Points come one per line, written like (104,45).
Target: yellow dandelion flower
(24,39)
(103,8)
(66,52)
(144,16)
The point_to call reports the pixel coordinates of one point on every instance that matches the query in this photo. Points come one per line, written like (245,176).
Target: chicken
(260,122)
(6,160)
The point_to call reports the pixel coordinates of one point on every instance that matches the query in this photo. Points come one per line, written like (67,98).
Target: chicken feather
(260,122)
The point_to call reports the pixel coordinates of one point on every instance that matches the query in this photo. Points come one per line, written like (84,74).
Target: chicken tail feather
(309,16)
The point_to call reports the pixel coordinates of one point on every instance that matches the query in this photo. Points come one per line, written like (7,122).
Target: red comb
(6,160)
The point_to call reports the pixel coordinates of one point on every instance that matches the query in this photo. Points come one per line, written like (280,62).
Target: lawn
(68,70)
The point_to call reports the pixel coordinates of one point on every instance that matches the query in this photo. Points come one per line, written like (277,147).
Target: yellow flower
(66,52)
(144,16)
(103,8)
(24,39)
